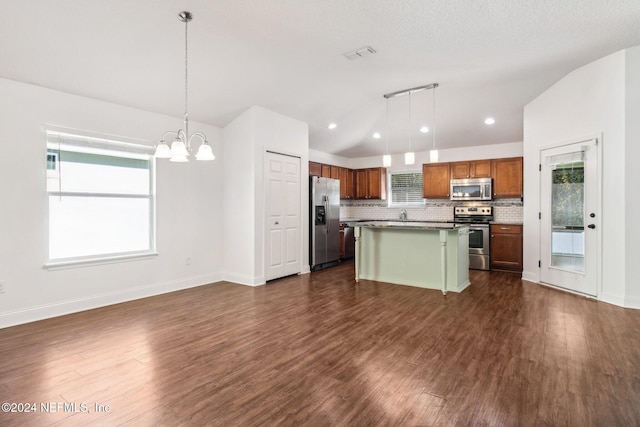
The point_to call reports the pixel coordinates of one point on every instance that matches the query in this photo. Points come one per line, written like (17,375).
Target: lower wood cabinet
(505,247)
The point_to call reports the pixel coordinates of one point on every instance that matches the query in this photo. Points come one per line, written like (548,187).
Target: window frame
(118,147)
(391,203)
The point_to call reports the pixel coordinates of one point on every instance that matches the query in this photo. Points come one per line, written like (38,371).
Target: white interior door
(570,217)
(283,254)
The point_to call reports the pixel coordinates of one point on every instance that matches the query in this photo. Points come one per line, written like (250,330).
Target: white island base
(426,255)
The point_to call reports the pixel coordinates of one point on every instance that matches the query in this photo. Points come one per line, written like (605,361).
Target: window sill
(79,263)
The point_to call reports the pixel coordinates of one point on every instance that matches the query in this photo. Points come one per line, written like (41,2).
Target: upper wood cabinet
(347,182)
(507,177)
(471,169)
(315,168)
(435,180)
(345,175)
(371,183)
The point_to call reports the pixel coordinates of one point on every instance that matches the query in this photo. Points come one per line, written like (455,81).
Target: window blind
(406,188)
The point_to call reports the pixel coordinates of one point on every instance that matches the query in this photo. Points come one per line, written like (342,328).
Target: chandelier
(181,145)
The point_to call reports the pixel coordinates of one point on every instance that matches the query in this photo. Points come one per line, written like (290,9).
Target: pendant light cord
(433,135)
(387,124)
(410,121)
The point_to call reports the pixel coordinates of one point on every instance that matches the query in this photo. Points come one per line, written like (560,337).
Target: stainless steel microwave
(471,189)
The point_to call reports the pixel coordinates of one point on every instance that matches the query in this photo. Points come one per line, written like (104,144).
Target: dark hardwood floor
(320,350)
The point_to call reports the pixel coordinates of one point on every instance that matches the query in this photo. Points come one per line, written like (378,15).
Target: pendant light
(433,154)
(409,156)
(386,159)
(181,146)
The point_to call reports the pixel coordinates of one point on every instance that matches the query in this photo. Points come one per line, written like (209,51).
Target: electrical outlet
(1,287)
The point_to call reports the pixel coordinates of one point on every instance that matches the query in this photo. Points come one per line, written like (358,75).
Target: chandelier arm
(169,132)
(201,135)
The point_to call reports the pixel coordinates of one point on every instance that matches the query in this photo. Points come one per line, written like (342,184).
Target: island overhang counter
(423,254)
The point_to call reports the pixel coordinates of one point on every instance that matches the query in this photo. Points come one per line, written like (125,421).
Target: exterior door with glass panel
(570,217)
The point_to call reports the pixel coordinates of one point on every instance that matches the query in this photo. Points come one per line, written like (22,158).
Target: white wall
(189,214)
(632,175)
(239,199)
(327,158)
(590,101)
(495,151)
(246,141)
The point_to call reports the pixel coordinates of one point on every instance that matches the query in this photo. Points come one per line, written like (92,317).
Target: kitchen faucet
(403,215)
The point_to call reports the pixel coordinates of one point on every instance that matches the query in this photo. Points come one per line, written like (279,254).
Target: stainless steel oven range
(478,219)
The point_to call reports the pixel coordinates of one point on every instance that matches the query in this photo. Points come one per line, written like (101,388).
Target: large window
(101,199)
(406,188)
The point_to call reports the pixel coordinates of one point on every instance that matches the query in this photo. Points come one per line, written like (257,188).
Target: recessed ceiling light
(332,126)
(377,135)
(424,129)
(489,121)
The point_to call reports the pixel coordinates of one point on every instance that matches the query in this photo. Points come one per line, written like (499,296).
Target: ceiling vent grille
(360,53)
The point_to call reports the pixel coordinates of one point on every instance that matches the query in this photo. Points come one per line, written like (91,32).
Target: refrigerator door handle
(326,207)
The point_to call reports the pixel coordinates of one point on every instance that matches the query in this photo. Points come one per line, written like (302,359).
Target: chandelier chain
(186,69)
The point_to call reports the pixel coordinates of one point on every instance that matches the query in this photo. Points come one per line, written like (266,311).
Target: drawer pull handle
(505,228)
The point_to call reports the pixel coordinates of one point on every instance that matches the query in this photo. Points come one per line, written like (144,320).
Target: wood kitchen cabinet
(315,168)
(435,180)
(505,247)
(471,169)
(347,181)
(371,183)
(326,171)
(335,172)
(507,177)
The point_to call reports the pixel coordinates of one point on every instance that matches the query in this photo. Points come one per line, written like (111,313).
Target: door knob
(591,226)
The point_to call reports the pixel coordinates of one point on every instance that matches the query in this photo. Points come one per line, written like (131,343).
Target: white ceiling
(490,58)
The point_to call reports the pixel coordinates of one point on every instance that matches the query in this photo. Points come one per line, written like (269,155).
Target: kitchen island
(423,254)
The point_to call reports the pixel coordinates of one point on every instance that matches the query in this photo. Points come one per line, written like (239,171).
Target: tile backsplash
(504,210)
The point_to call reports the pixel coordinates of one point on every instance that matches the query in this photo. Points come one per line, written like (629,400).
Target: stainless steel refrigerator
(324,224)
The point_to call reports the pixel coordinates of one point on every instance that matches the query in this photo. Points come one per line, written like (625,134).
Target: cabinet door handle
(505,228)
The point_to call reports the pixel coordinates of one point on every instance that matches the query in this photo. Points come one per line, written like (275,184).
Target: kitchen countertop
(345,220)
(505,223)
(408,224)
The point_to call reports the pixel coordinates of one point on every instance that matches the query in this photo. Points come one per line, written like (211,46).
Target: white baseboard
(46,311)
(632,302)
(242,279)
(613,299)
(530,276)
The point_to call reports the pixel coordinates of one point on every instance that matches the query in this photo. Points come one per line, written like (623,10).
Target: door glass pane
(567,216)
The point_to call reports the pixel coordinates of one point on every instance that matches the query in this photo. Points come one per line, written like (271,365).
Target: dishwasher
(349,242)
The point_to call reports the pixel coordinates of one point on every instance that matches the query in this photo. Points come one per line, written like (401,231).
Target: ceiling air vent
(360,53)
